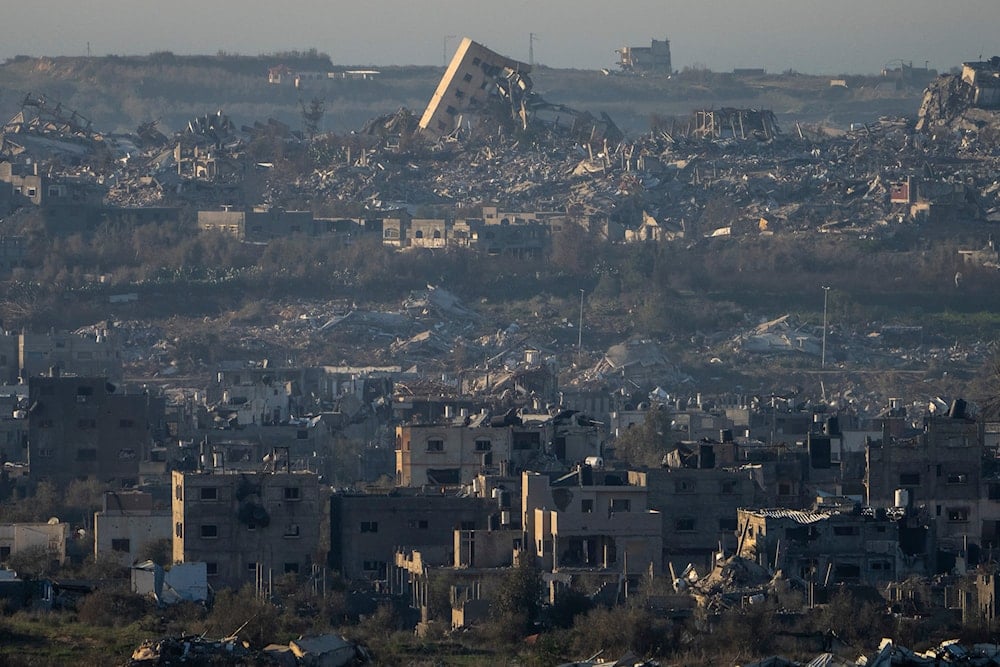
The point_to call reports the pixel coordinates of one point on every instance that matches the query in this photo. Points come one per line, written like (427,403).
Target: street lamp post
(826,293)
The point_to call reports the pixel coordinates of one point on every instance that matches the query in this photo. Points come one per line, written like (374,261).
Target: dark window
(209,493)
(120,545)
(467,78)
(459,94)
(211,569)
(526,440)
(483,445)
(292,493)
(621,505)
(179,529)
(958,514)
(418,523)
(909,479)
(435,445)
(844,571)
(684,486)
(684,525)
(475,62)
(728,486)
(369,526)
(209,530)
(291,530)
(587,506)
(291,568)
(4,553)
(994,492)
(958,478)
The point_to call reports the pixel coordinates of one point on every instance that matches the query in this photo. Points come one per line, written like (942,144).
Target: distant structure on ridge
(651,59)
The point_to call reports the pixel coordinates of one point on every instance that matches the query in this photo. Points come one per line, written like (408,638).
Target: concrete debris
(627,660)
(891,654)
(320,651)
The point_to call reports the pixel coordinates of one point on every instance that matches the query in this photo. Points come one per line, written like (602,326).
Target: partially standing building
(246,526)
(467,83)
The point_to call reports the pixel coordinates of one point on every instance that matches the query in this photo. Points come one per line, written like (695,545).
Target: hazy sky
(833,36)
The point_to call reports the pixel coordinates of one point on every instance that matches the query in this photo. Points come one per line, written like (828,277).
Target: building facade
(246,526)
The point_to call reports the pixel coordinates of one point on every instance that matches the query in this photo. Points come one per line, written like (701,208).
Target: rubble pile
(949,652)
(326,650)
(533,155)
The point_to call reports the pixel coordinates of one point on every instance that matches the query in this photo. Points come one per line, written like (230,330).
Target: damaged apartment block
(481,82)
(473,76)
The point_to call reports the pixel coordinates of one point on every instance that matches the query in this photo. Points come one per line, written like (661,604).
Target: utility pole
(826,293)
(444,50)
(531,48)
(579,333)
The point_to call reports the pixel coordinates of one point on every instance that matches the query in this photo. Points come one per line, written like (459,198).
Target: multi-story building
(455,451)
(81,427)
(591,519)
(466,84)
(652,58)
(246,525)
(127,523)
(92,355)
(829,546)
(697,507)
(937,473)
(366,530)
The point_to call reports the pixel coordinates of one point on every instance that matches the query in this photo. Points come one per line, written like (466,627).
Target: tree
(312,116)
(646,443)
(518,600)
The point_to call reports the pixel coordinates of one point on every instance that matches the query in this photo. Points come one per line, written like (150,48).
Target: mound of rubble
(948,652)
(969,101)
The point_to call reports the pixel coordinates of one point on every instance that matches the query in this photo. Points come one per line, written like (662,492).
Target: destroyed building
(962,98)
(729,123)
(471,78)
(651,59)
(366,529)
(822,546)
(591,518)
